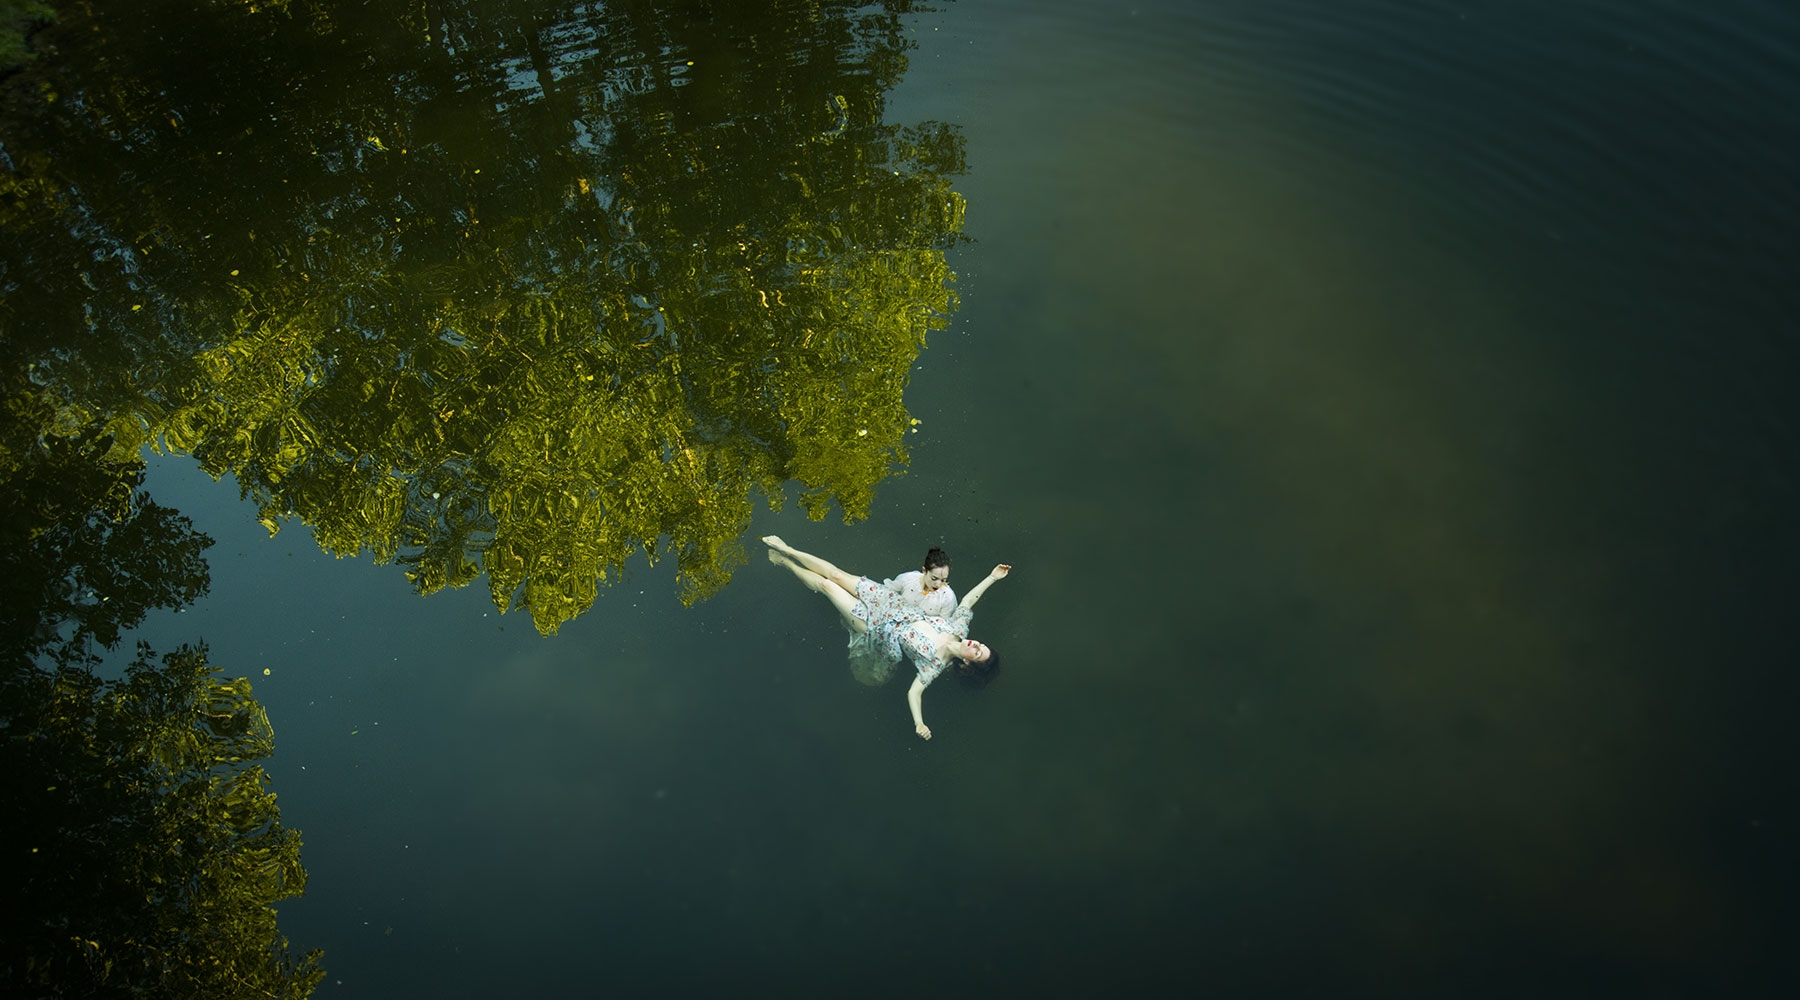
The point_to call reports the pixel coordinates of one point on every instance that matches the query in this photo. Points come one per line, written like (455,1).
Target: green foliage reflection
(594,278)
(144,850)
(84,554)
(17,18)
(144,844)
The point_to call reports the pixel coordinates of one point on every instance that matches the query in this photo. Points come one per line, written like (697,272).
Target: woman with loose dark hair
(931,642)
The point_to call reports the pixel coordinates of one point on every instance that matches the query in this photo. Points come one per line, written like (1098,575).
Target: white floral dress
(869,662)
(897,628)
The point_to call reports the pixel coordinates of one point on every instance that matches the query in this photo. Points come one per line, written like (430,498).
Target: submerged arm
(912,699)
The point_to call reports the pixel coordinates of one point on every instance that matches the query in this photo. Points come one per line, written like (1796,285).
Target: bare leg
(840,598)
(813,563)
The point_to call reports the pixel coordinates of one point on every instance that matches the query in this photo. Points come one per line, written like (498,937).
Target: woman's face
(936,577)
(973,651)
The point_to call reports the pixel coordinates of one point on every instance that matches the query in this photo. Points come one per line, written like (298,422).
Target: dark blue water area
(1384,407)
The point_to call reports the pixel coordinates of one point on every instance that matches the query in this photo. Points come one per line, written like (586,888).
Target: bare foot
(777,558)
(775,542)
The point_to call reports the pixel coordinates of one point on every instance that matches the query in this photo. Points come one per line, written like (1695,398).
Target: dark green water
(1383,407)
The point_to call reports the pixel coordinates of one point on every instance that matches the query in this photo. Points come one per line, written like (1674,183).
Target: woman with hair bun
(932,642)
(926,588)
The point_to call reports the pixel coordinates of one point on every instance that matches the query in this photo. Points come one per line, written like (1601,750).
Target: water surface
(1382,410)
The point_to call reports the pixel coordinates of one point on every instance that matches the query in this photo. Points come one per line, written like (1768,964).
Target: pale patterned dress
(872,657)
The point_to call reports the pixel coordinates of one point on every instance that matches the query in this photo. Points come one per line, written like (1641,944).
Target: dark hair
(935,558)
(978,675)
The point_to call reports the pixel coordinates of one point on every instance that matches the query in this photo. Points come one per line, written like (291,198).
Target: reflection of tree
(17,18)
(593,280)
(144,849)
(84,555)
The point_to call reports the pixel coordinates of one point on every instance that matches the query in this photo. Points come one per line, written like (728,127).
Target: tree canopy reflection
(144,848)
(519,289)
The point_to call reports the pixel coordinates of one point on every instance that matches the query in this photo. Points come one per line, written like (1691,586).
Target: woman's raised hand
(923,730)
(1000,571)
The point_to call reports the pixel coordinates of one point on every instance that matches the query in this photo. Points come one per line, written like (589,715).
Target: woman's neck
(944,641)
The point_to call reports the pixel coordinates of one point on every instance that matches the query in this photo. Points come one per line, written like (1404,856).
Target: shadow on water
(516,289)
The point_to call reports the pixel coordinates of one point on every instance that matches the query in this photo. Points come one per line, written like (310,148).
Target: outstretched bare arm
(974,595)
(912,699)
